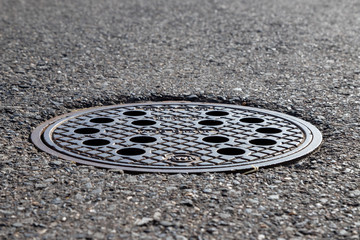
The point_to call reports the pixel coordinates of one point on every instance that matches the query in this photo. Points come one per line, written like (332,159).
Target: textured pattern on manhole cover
(177,137)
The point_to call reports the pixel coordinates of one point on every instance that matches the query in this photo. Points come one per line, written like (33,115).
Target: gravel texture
(299,57)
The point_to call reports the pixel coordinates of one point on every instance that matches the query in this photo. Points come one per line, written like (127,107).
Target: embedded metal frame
(177,137)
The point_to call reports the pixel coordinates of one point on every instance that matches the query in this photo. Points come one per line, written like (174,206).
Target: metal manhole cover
(177,137)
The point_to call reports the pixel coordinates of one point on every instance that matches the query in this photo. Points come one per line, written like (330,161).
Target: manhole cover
(177,137)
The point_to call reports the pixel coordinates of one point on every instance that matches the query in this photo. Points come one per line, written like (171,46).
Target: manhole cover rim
(313,140)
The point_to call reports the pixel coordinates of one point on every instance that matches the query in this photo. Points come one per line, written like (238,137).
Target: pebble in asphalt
(296,57)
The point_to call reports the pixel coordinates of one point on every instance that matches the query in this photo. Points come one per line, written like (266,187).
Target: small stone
(261,237)
(318,205)
(230,210)
(289,229)
(99,235)
(183,186)
(235,182)
(207,190)
(177,176)
(40,186)
(97,191)
(180,237)
(261,208)
(42,231)
(157,216)
(225,215)
(49,180)
(192,97)
(19,70)
(223,223)
(116,170)
(323,200)
(5,212)
(169,189)
(131,179)
(166,223)
(354,194)
(254,201)
(143,221)
(343,232)
(188,203)
(28,235)
(112,207)
(248,210)
(57,201)
(274,197)
(79,197)
(57,163)
(17,224)
(237,89)
(242,60)
(211,230)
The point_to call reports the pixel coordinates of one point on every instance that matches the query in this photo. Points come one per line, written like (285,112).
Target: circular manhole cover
(177,137)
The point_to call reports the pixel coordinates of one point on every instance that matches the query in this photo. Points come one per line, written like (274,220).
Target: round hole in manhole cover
(269,130)
(143,139)
(101,120)
(143,122)
(252,120)
(86,130)
(131,151)
(263,142)
(96,142)
(134,113)
(215,139)
(210,122)
(231,151)
(217,113)
(177,137)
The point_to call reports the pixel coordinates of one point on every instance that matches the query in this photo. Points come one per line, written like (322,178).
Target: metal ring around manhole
(177,137)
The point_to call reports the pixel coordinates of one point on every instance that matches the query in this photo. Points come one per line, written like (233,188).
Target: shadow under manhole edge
(178,137)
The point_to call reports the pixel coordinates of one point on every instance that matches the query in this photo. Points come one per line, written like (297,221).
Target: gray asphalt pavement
(298,57)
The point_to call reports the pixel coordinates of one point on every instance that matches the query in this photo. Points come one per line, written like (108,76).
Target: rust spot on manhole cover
(177,137)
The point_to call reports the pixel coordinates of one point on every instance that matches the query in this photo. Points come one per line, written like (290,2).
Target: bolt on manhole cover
(177,137)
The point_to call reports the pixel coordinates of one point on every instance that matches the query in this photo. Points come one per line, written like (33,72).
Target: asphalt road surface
(299,57)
